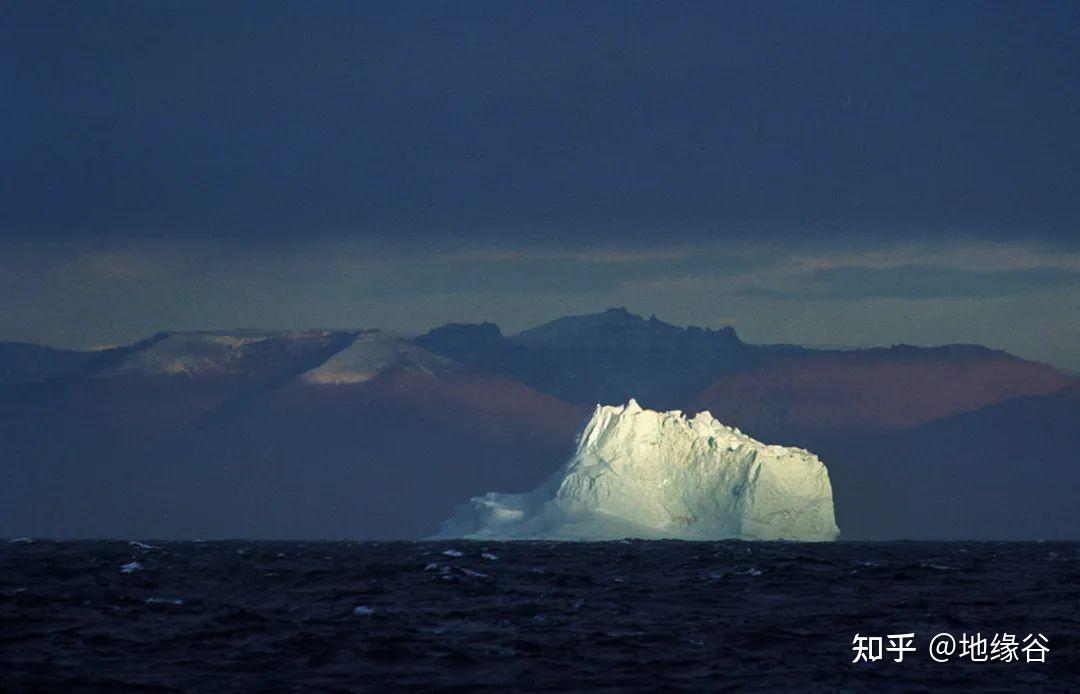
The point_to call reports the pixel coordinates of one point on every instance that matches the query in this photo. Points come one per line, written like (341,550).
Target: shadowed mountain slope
(800,398)
(22,362)
(361,434)
(318,434)
(606,357)
(775,391)
(1004,472)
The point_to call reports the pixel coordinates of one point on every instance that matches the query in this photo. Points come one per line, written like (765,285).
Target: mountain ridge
(324,433)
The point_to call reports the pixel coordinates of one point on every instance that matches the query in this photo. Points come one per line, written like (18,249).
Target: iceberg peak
(636,472)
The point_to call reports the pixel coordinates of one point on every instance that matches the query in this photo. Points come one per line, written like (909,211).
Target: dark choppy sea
(277,616)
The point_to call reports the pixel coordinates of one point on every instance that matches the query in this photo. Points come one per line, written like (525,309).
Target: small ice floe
(750,572)
(282,555)
(454,553)
(131,567)
(140,545)
(489,556)
(164,601)
(241,551)
(363,611)
(431,567)
(21,541)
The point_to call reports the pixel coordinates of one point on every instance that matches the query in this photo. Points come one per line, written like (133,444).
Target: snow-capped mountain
(361,433)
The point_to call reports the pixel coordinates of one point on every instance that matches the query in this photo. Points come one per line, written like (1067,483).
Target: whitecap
(474,574)
(938,567)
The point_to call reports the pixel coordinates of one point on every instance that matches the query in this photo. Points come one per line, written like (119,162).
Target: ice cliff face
(640,473)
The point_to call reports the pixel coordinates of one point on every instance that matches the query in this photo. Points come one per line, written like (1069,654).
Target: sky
(827,173)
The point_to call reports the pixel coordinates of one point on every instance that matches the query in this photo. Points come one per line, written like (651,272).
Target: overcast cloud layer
(842,173)
(1025,299)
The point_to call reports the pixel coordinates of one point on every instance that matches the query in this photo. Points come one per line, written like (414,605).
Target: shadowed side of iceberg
(640,473)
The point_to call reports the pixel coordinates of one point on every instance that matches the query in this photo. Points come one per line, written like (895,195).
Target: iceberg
(645,474)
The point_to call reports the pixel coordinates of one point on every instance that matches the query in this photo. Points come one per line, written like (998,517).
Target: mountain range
(364,434)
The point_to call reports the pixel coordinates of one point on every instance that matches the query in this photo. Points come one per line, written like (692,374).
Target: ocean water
(631,615)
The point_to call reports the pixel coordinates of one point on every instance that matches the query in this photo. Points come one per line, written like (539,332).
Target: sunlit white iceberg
(646,474)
